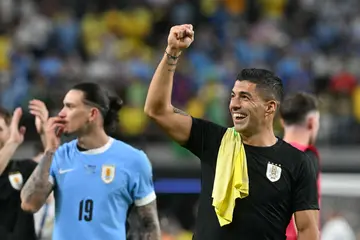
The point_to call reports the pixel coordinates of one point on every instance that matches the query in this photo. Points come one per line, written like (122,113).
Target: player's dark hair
(296,107)
(109,106)
(269,85)
(6,115)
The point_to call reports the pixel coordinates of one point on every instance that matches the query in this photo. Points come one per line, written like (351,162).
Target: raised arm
(176,123)
(41,113)
(6,153)
(15,140)
(38,186)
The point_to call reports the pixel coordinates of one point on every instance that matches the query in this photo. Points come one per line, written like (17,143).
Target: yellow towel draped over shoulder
(231,176)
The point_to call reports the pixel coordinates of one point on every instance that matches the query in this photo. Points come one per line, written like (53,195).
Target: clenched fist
(180,37)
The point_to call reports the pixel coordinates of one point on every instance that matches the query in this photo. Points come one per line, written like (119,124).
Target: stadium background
(46,46)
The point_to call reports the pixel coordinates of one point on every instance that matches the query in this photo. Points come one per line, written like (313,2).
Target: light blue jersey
(94,189)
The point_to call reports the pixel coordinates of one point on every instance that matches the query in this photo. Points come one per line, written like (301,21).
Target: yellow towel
(231,176)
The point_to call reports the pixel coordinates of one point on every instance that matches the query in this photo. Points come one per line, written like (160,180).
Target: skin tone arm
(149,221)
(15,140)
(175,122)
(6,153)
(37,188)
(17,135)
(307,224)
(41,113)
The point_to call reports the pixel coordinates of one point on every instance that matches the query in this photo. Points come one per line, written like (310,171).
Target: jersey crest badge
(16,180)
(108,173)
(273,172)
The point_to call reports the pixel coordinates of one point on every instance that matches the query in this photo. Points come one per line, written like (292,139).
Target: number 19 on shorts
(86,210)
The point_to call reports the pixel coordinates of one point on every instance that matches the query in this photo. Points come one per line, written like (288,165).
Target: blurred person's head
(88,108)
(5,119)
(255,98)
(300,118)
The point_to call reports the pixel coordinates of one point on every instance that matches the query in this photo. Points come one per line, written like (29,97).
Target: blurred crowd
(47,46)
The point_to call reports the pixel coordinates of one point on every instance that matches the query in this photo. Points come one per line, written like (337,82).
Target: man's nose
(62,113)
(235,104)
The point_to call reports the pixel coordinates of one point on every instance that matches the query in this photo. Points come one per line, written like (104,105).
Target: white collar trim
(100,149)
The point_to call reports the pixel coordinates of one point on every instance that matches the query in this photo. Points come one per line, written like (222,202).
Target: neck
(294,134)
(265,138)
(94,139)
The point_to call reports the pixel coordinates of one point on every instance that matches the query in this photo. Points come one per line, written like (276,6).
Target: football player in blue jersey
(95,178)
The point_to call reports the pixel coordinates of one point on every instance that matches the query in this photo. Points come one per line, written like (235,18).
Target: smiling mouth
(239,116)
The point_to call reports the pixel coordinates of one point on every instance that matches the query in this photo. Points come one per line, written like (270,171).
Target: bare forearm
(150,226)
(37,187)
(6,153)
(159,93)
(308,234)
(152,232)
(43,140)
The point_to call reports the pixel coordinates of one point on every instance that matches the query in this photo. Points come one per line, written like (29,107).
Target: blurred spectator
(337,228)
(311,46)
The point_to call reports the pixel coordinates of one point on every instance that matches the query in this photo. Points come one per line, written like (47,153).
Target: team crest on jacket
(273,171)
(108,173)
(16,180)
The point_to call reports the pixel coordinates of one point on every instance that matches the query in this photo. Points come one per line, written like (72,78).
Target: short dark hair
(6,115)
(296,106)
(266,81)
(108,105)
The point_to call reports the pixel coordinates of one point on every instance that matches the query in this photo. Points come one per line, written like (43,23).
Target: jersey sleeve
(143,191)
(204,135)
(315,161)
(305,194)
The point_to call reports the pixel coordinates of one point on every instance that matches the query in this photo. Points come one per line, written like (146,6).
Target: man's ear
(310,122)
(270,108)
(94,112)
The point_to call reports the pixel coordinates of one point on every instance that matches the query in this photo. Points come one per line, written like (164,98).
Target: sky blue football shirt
(94,189)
